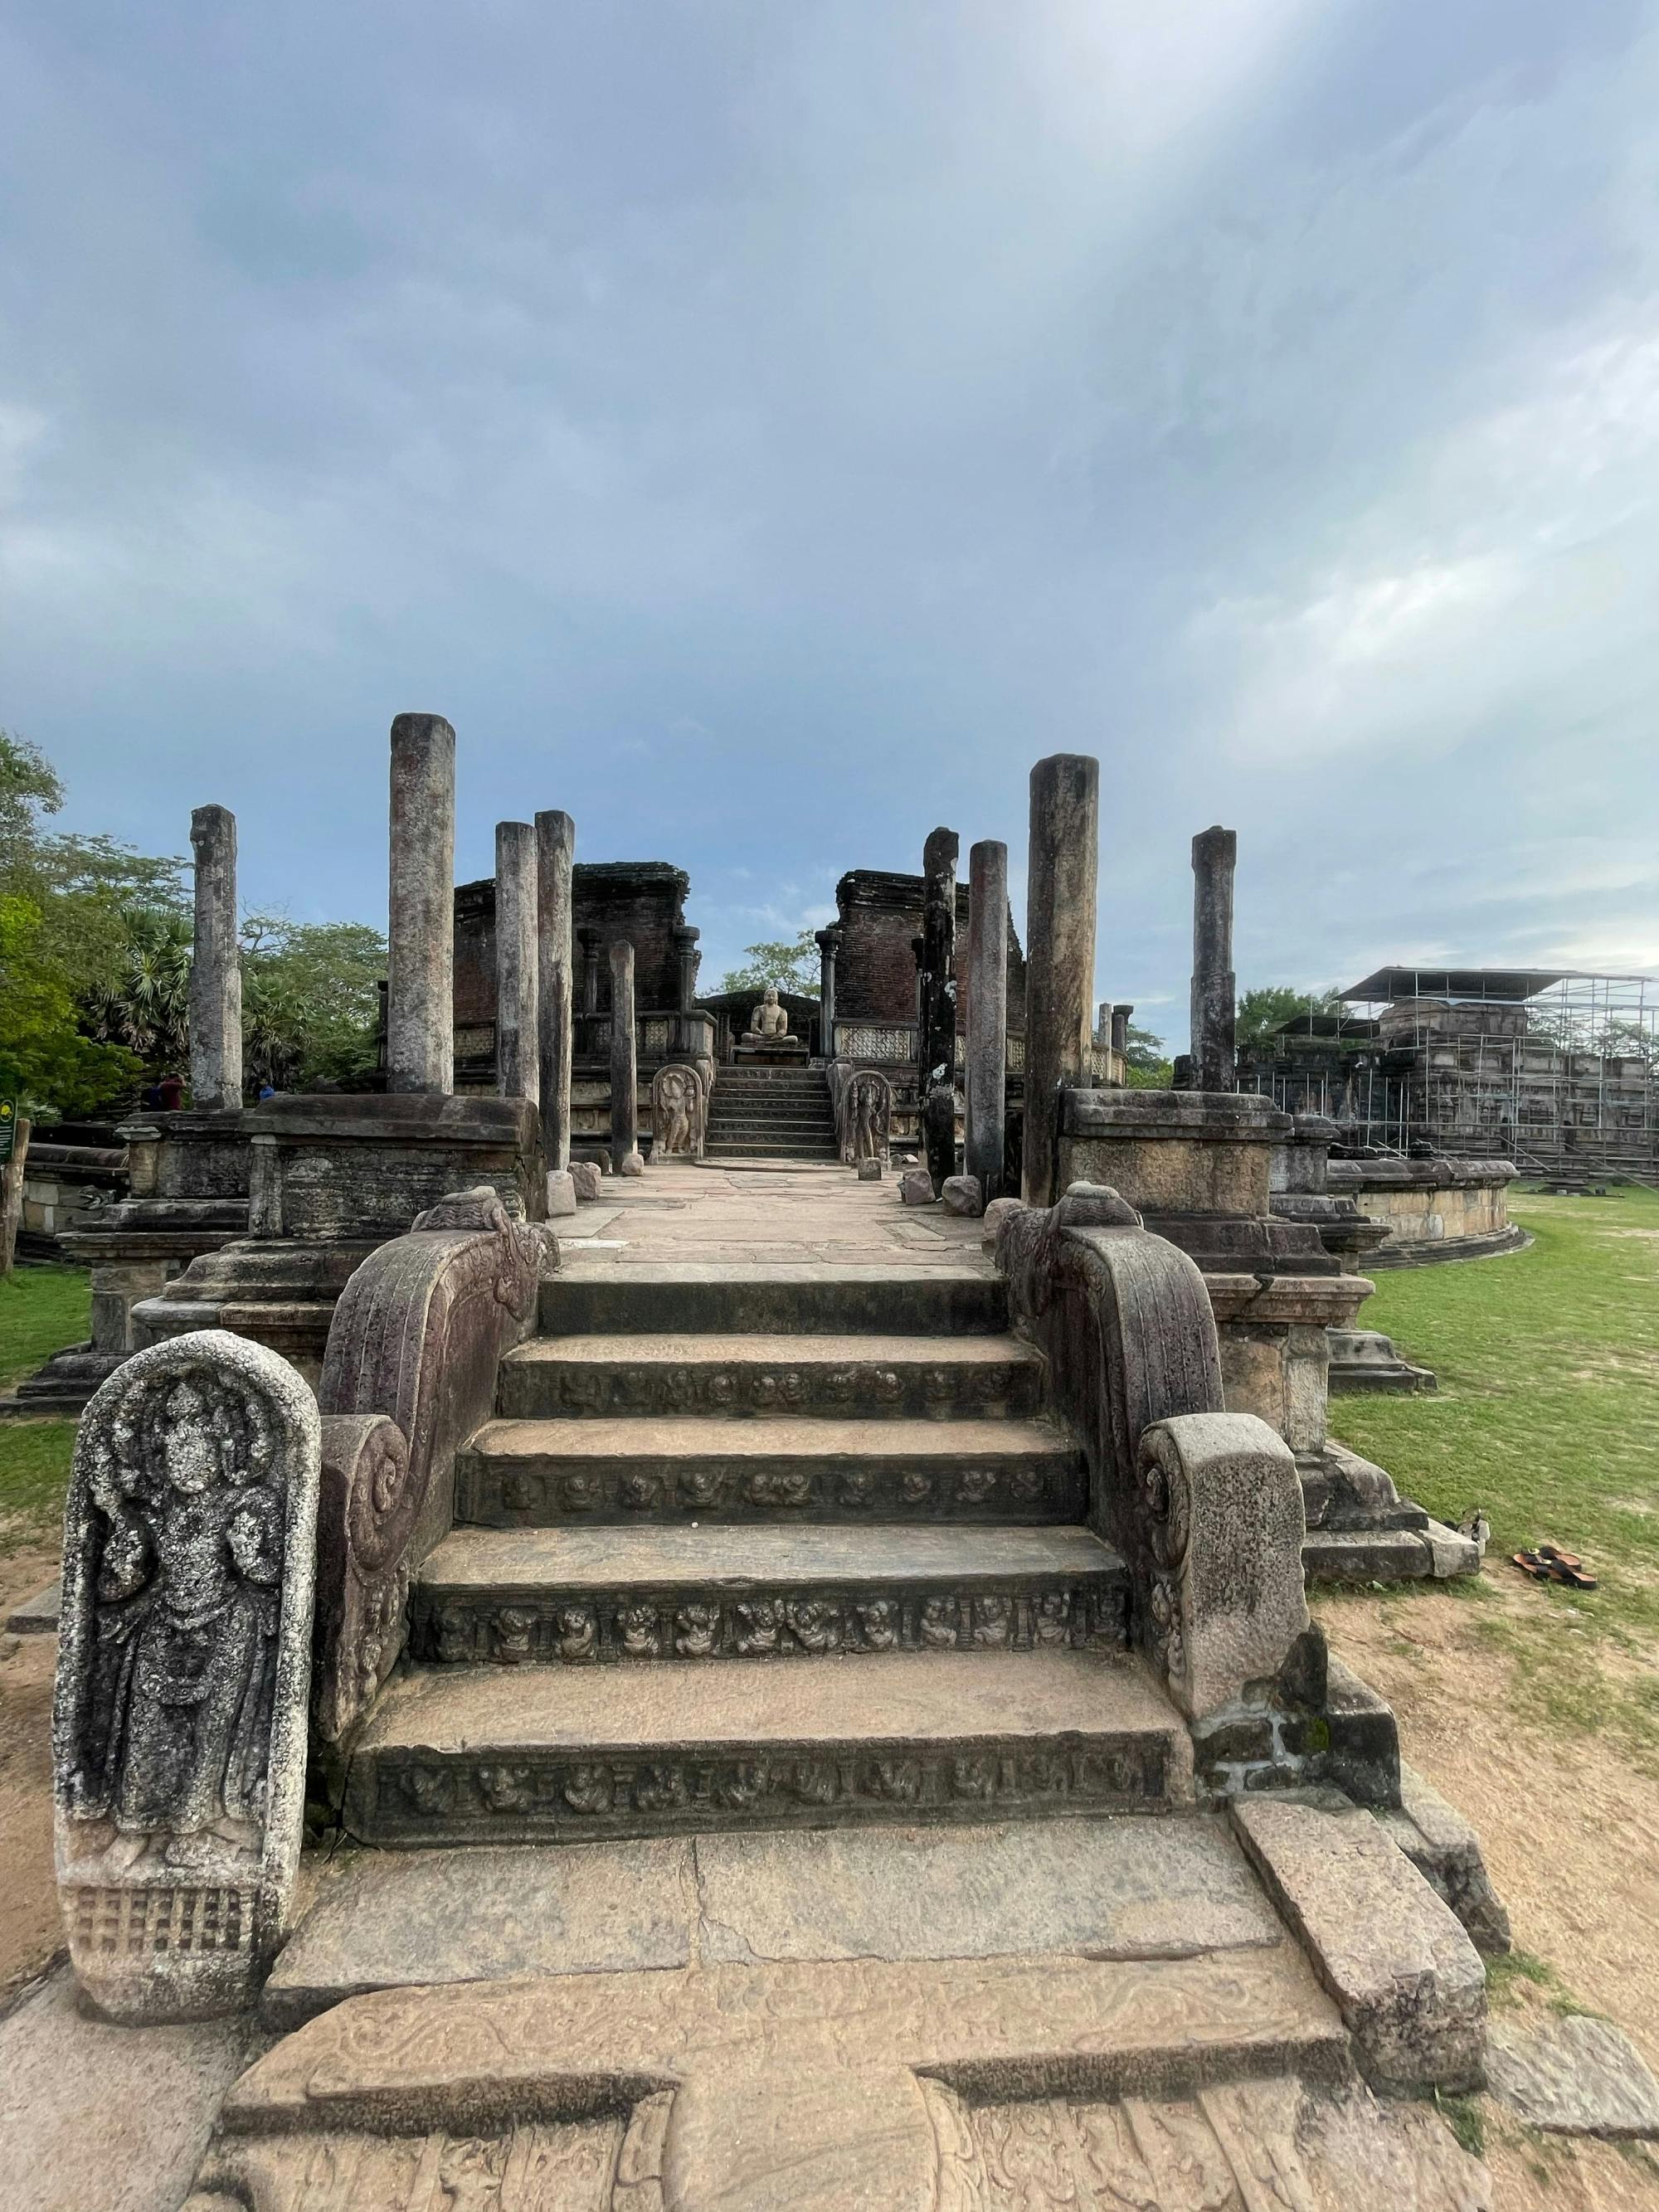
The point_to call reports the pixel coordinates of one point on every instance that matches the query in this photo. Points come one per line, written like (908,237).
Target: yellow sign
(7,1127)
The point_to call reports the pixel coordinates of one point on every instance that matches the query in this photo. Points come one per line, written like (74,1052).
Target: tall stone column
(555,848)
(988,1014)
(829,945)
(625,1064)
(518,1045)
(1060,954)
(589,941)
(420,1016)
(1121,1014)
(216,972)
(1215,854)
(685,946)
(937,1046)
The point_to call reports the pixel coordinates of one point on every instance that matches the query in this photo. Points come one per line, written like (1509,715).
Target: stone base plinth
(344,1168)
(770,1052)
(1174,1152)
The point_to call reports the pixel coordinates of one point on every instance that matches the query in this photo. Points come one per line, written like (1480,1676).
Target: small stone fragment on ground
(1576,2077)
(586,1177)
(631,1164)
(561,1192)
(1410,1985)
(961,1194)
(870,1170)
(916,1187)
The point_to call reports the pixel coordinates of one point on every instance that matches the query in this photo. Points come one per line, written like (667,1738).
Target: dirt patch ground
(1570,1831)
(30,1935)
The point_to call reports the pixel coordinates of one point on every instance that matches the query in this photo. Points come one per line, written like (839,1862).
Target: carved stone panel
(179,1730)
(679,1114)
(866,1117)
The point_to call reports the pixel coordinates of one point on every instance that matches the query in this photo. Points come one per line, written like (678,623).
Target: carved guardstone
(179,1728)
(677,1114)
(865,1118)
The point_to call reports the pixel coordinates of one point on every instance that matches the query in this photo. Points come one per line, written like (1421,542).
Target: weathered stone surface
(631,1163)
(1446,1851)
(37,1615)
(588,1179)
(986,1086)
(916,1187)
(751,2088)
(1215,854)
(1098,1888)
(1223,1509)
(1576,2077)
(678,1114)
(408,1374)
(518,1058)
(864,1116)
(385,1920)
(179,1727)
(561,1194)
(999,1210)
(961,1194)
(420,1035)
(624,1063)
(936,1041)
(98,2114)
(1409,1981)
(1059,944)
(215,970)
(870,1170)
(555,850)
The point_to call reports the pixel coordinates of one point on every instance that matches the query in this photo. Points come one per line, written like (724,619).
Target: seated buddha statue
(768,1021)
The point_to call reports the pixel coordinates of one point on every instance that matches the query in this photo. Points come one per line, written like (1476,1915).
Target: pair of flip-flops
(1549,1564)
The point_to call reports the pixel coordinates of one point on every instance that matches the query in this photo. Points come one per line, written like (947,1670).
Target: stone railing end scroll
(179,1719)
(409,1373)
(1204,1505)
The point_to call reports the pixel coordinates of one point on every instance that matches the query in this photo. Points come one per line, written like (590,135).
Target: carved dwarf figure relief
(179,1727)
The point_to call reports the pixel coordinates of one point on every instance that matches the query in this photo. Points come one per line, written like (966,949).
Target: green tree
(43,1057)
(792,965)
(311,1000)
(1144,1066)
(1269,1005)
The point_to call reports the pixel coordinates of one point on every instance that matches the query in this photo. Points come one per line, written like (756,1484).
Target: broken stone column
(517,1062)
(685,943)
(1060,954)
(420,1019)
(216,972)
(184,1665)
(829,945)
(936,1045)
(1215,854)
(1121,1029)
(988,1014)
(624,1065)
(555,848)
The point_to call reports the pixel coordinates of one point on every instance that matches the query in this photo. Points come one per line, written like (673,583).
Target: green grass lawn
(1547,1416)
(41,1310)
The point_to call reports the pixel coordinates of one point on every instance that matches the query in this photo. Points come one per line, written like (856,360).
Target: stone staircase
(770,1113)
(774,1548)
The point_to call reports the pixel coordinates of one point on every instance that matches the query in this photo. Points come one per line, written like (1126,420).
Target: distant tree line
(94,969)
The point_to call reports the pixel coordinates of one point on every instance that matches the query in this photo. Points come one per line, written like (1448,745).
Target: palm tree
(145,1005)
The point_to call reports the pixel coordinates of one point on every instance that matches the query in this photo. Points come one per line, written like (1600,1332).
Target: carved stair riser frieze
(508,1628)
(545,1389)
(494,1493)
(537,1796)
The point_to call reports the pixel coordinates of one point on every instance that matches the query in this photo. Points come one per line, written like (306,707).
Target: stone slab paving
(1576,2077)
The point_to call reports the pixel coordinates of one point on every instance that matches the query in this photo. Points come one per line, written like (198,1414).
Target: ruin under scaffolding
(1554,1068)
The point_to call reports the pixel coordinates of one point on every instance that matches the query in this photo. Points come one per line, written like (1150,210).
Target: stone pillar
(1120,1038)
(589,941)
(216,972)
(1060,954)
(625,1064)
(936,1047)
(829,945)
(685,943)
(1215,853)
(988,1014)
(420,1017)
(518,1043)
(555,847)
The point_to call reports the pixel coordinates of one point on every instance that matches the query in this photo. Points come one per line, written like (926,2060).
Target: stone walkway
(762,1217)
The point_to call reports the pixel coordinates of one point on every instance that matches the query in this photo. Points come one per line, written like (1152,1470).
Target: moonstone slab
(184,1669)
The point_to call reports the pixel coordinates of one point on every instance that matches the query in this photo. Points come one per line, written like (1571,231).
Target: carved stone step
(819,1300)
(768,1148)
(871,1377)
(526,1474)
(580,1596)
(488,1755)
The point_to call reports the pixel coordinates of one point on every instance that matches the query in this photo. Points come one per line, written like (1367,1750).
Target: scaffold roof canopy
(1512,983)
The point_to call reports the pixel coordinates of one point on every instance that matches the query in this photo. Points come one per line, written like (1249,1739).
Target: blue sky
(765,429)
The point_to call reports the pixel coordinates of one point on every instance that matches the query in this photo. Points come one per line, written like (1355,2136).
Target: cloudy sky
(765,427)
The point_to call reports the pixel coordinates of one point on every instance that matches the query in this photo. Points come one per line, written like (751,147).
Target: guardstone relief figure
(179,1730)
(677,1114)
(866,1117)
